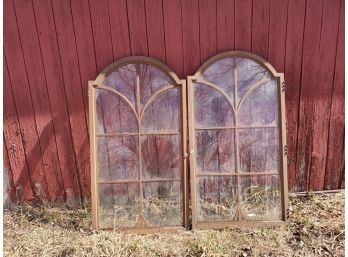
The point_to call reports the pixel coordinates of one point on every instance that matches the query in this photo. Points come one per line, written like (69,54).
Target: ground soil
(316,228)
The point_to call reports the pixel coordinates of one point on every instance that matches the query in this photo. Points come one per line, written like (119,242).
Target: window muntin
(236,132)
(138,143)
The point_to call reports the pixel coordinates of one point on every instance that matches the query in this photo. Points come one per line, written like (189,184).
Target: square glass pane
(217,198)
(260,106)
(163,203)
(261,197)
(259,149)
(113,114)
(161,156)
(163,113)
(119,205)
(215,150)
(212,108)
(117,157)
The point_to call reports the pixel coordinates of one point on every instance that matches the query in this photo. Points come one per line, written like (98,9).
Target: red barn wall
(53,47)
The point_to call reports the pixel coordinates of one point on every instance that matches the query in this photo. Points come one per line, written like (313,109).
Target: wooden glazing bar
(203,174)
(239,127)
(135,134)
(236,144)
(120,181)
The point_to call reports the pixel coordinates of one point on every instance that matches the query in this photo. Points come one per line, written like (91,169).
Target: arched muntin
(237,142)
(138,140)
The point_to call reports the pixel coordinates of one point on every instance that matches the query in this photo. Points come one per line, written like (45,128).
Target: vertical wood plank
(323,91)
(260,27)
(85,45)
(225,25)
(38,88)
(58,101)
(119,28)
(293,62)
(335,147)
(277,33)
(309,79)
(14,143)
(242,26)
(190,30)
(155,30)
(101,33)
(72,81)
(173,35)
(207,28)
(10,197)
(23,102)
(137,27)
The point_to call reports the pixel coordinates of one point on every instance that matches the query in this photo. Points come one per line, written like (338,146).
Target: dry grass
(316,228)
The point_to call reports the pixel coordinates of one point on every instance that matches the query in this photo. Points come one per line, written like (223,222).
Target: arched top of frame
(239,54)
(133,60)
(248,82)
(137,81)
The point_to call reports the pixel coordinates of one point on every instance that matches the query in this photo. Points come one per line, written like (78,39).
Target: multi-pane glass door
(236,142)
(139,144)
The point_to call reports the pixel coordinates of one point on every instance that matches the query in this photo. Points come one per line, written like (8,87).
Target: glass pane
(249,72)
(211,107)
(161,156)
(123,80)
(221,74)
(151,79)
(119,205)
(261,197)
(259,149)
(163,113)
(217,198)
(215,150)
(163,203)
(260,107)
(113,114)
(117,157)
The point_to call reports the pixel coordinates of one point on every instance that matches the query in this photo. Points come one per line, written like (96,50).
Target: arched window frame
(98,84)
(198,77)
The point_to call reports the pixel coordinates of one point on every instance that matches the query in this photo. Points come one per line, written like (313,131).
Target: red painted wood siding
(52,48)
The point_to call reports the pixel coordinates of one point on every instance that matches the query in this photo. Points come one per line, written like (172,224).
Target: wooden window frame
(282,143)
(140,227)
(188,138)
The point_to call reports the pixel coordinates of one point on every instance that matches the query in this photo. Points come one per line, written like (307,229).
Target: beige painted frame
(282,140)
(98,84)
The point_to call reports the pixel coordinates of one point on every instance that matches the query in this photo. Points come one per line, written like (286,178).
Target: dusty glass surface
(261,197)
(117,157)
(163,113)
(119,205)
(161,156)
(217,198)
(215,151)
(260,106)
(259,150)
(163,203)
(113,114)
(212,108)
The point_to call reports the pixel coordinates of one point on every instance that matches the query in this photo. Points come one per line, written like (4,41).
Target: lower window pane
(118,205)
(117,157)
(217,198)
(163,203)
(259,149)
(261,197)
